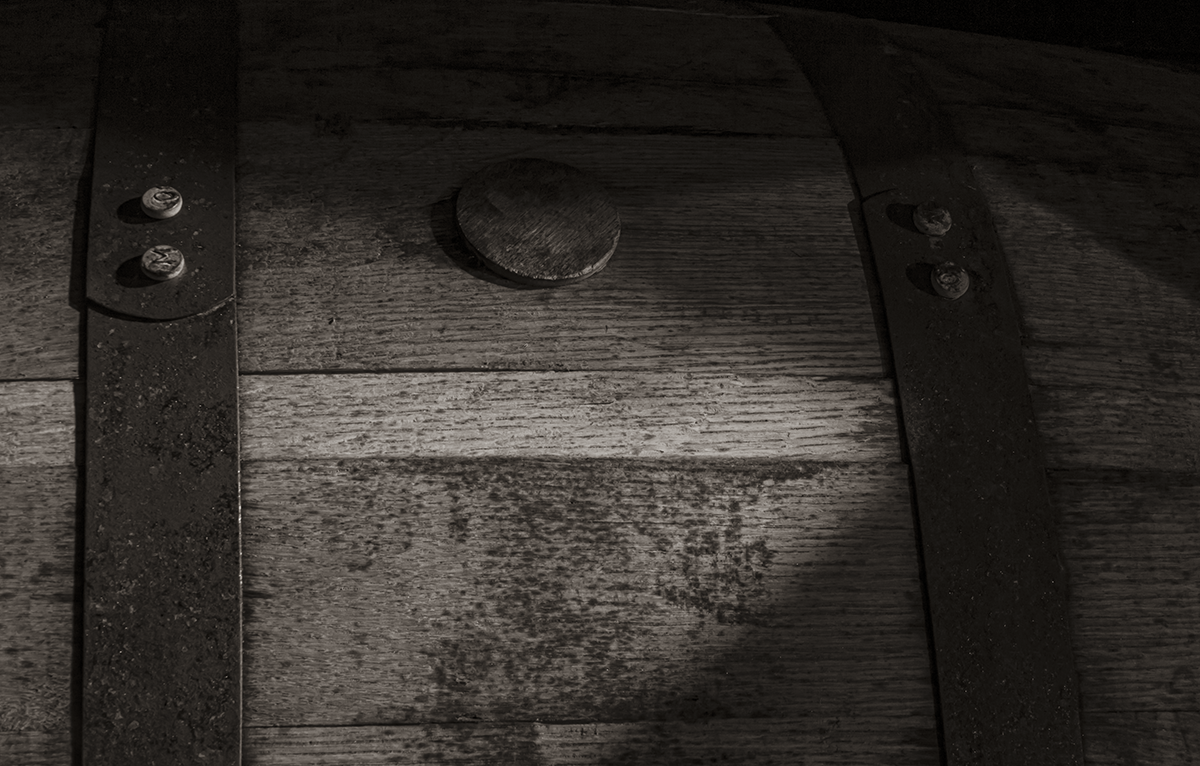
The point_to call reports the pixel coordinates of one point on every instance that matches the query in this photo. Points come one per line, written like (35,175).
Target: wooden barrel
(660,515)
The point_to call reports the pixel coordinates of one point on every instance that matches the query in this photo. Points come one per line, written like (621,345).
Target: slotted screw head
(950,280)
(161,202)
(162,262)
(931,219)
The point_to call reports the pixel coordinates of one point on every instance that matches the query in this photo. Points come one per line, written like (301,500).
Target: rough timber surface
(624,414)
(735,253)
(37,536)
(860,741)
(581,64)
(37,419)
(48,65)
(386,591)
(40,172)
(1092,170)
(38,512)
(1130,540)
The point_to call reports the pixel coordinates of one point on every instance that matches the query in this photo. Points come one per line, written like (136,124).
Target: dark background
(1167,30)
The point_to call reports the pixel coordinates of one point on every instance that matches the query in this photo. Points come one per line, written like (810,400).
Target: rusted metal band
(162,569)
(996,585)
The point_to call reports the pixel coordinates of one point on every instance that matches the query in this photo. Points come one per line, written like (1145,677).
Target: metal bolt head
(950,280)
(161,202)
(162,262)
(931,219)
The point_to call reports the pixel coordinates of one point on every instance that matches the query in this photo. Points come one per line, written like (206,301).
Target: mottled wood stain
(754,742)
(397,591)
(804,593)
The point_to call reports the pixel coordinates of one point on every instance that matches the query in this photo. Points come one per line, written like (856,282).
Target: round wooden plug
(537,222)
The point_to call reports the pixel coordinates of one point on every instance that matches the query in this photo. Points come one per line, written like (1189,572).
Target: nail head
(162,262)
(950,280)
(932,220)
(161,202)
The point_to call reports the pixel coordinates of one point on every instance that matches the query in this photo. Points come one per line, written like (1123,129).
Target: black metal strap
(162,614)
(996,587)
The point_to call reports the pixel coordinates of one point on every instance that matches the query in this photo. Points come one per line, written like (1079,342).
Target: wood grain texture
(48,63)
(534,63)
(389,591)
(985,71)
(858,741)
(302,417)
(1131,739)
(1101,259)
(735,254)
(37,592)
(40,172)
(36,748)
(37,419)
(537,222)
(1082,147)
(1105,274)
(1108,427)
(1130,543)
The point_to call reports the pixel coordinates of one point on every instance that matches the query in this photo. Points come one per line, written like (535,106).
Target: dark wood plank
(624,414)
(985,71)
(424,591)
(37,587)
(40,172)
(1101,258)
(1130,542)
(1083,148)
(735,254)
(1108,427)
(1104,270)
(857,741)
(48,63)
(1161,738)
(535,63)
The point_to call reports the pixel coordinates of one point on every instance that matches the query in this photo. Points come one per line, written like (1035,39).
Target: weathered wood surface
(985,71)
(1131,541)
(37,419)
(521,63)
(1127,739)
(542,499)
(626,414)
(48,66)
(38,513)
(48,63)
(1092,170)
(755,742)
(387,591)
(40,172)
(735,253)
(37,532)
